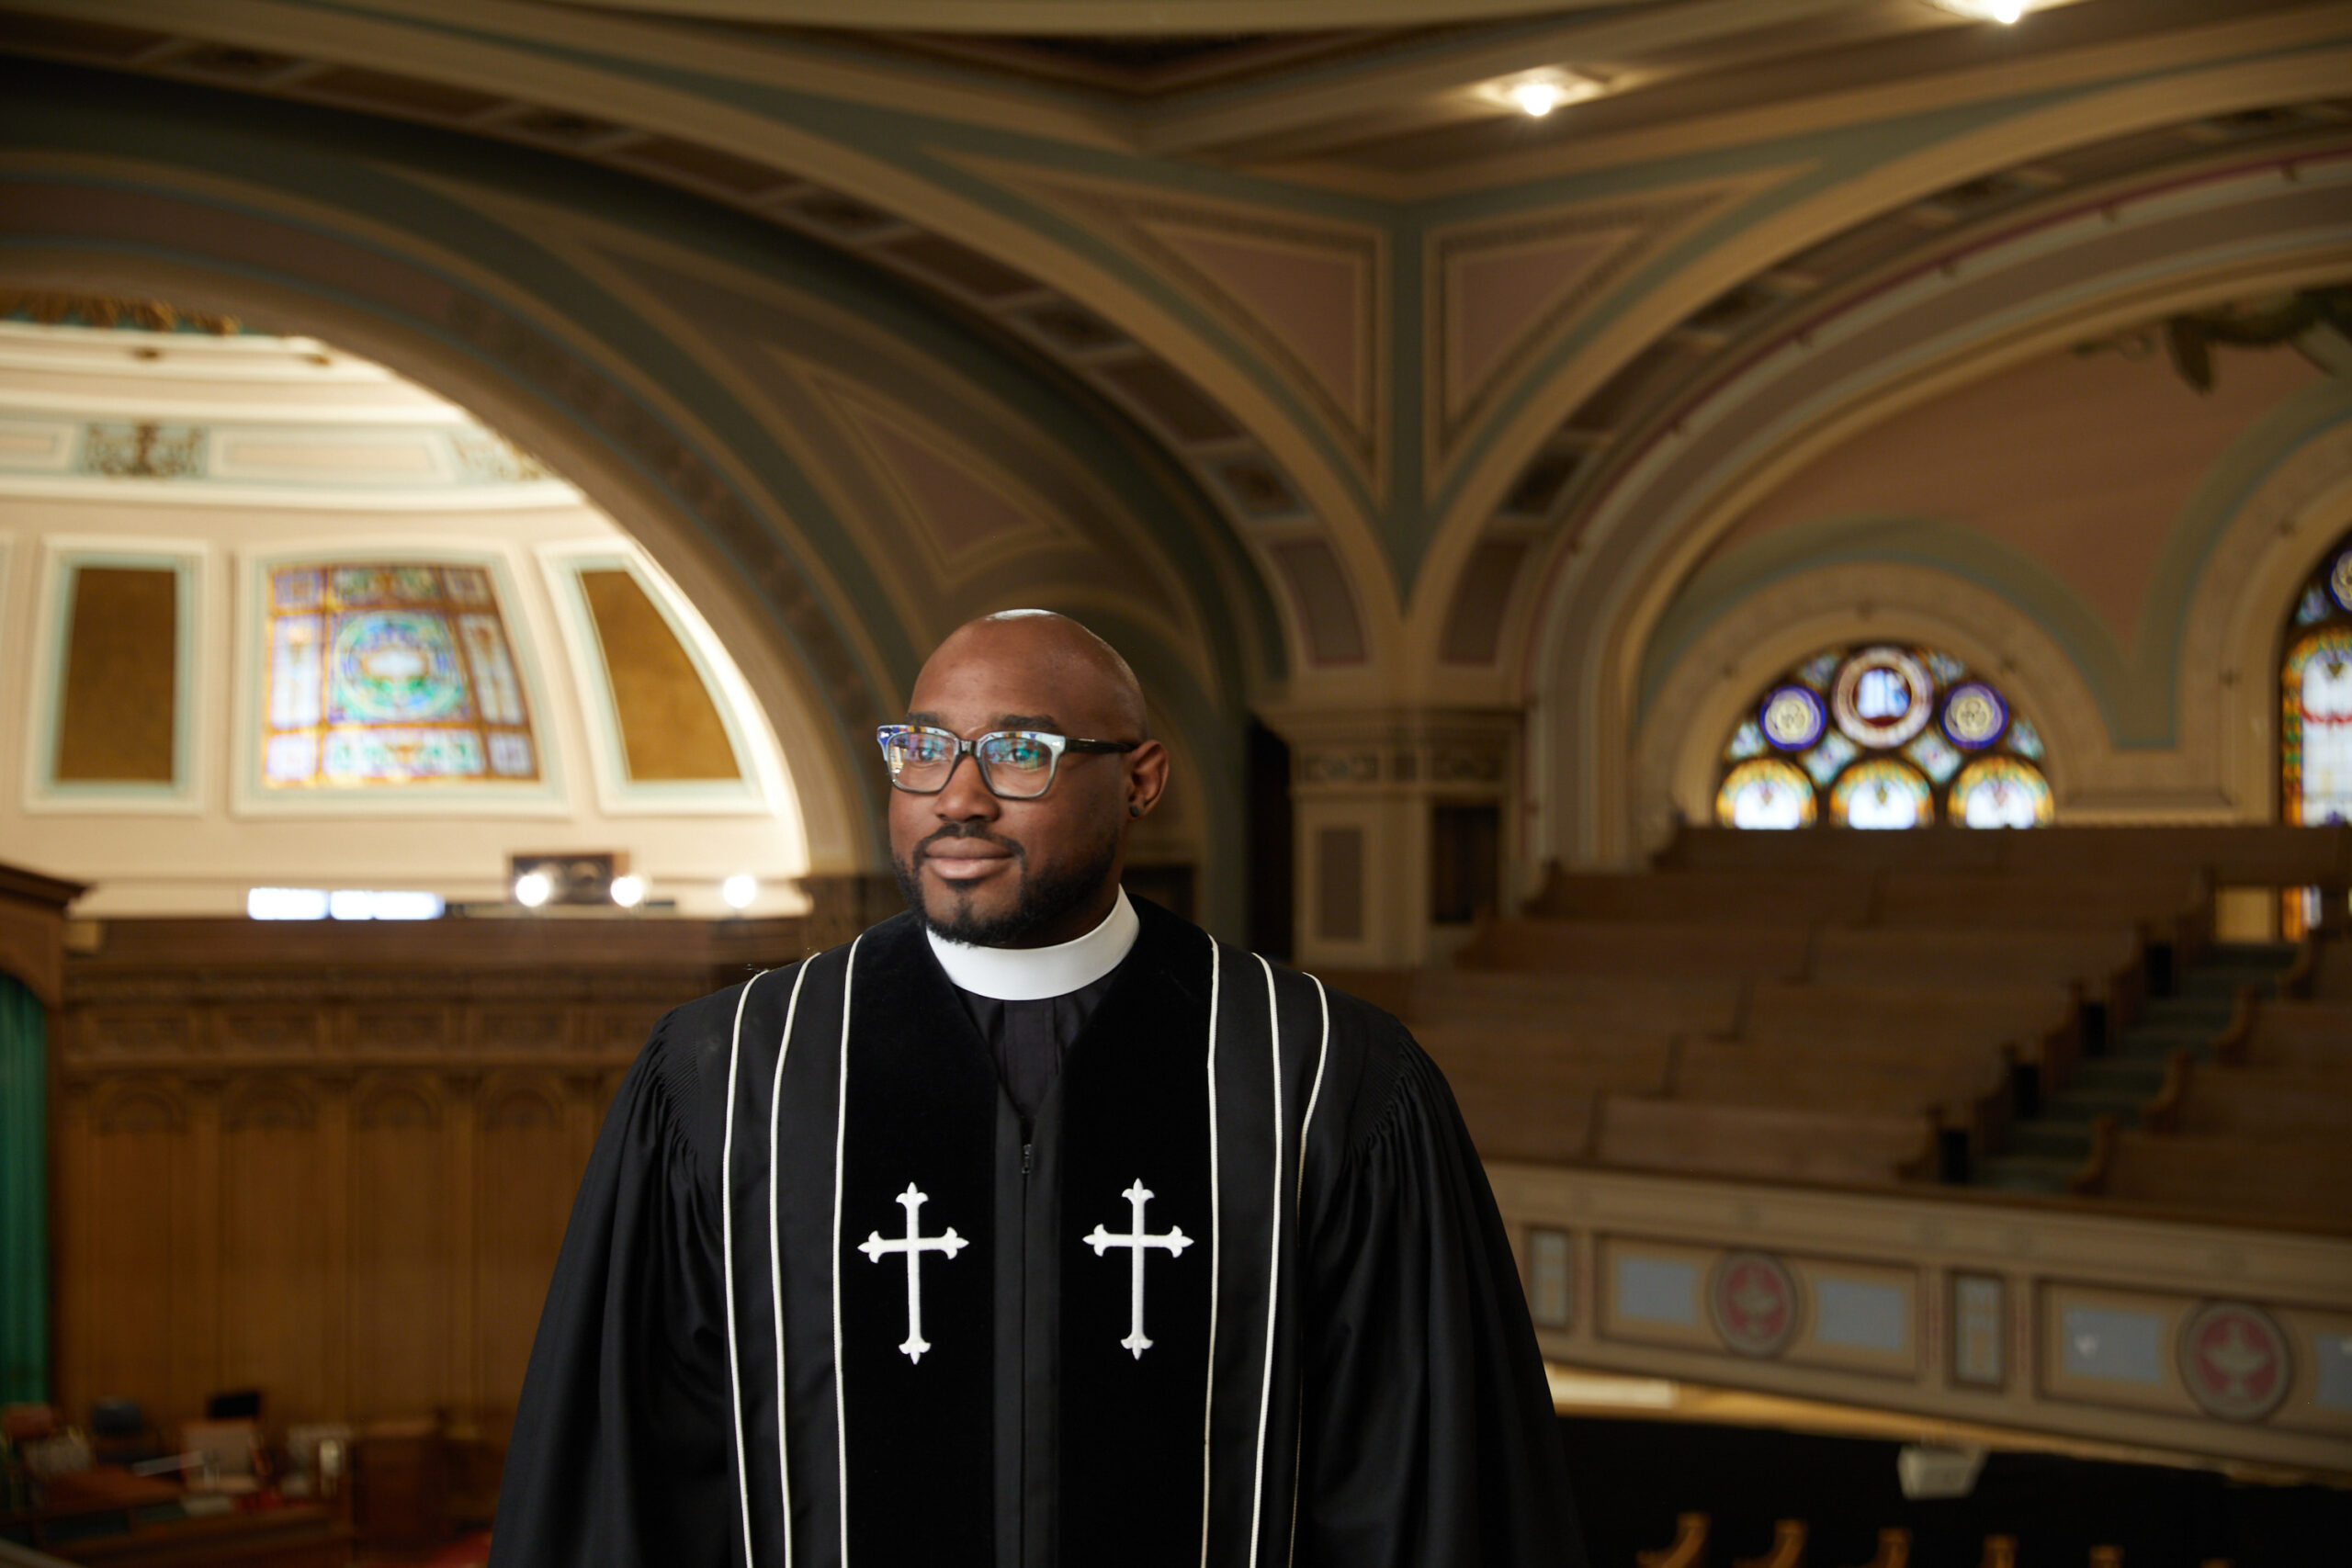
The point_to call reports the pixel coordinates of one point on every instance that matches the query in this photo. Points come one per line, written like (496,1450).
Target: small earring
(1134,811)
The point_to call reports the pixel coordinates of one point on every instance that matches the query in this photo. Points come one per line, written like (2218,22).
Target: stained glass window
(1766,792)
(2000,792)
(384,674)
(2315,695)
(1883,736)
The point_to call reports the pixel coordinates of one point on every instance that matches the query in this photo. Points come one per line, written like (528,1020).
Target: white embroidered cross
(1134,1241)
(914,1246)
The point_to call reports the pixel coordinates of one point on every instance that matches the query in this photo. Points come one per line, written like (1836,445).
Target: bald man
(1035,1228)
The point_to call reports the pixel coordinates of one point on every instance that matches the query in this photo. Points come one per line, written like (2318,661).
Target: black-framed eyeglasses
(1015,764)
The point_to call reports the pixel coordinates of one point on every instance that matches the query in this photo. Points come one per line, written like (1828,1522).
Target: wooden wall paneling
(335,1183)
(529,1164)
(461,1264)
(275,1304)
(196,1362)
(124,1168)
(397,1304)
(334,1162)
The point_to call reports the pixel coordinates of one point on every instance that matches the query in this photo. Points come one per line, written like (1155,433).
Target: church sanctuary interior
(1773,576)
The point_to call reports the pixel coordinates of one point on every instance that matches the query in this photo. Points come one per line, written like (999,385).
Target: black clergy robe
(1238,1295)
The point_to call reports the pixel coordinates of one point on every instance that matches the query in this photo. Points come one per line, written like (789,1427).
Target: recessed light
(1537,93)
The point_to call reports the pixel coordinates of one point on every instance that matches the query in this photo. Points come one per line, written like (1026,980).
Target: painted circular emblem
(2339,579)
(1791,718)
(2236,1361)
(1975,716)
(1882,697)
(1754,1303)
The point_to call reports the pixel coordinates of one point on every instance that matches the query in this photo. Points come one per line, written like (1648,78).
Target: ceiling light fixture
(2002,11)
(1537,93)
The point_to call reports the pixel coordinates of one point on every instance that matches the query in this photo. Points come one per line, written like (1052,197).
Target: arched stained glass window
(2315,695)
(391,673)
(1885,735)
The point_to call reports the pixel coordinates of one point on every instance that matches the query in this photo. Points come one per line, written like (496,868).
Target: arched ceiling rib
(1594,481)
(1044,167)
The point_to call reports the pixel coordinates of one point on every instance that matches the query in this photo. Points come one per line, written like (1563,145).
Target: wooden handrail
(1687,1550)
(2092,1176)
(2230,1046)
(1788,1547)
(2162,1115)
(2295,981)
(1893,1549)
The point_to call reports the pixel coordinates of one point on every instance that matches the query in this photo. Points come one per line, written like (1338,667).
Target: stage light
(533,889)
(738,890)
(628,892)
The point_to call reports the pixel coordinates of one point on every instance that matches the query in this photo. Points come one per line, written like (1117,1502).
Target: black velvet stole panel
(1134,1109)
(921,1114)
(1270,1048)
(748,1053)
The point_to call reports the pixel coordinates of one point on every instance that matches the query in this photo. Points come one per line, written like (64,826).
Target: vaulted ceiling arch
(759,483)
(1809,243)
(2047,275)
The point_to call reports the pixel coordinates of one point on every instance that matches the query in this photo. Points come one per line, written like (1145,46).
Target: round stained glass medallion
(1975,716)
(1999,791)
(1792,717)
(2339,579)
(1881,793)
(1882,697)
(394,666)
(1766,792)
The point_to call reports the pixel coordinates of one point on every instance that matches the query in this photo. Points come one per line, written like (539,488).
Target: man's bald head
(1038,870)
(1063,652)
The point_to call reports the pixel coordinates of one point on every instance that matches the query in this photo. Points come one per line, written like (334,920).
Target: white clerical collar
(1032,974)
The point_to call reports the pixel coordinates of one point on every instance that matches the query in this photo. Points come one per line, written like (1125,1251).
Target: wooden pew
(2310,1036)
(1966,1085)
(2257,1103)
(2245,854)
(2109,965)
(1829,852)
(1763,1142)
(2042,1021)
(2301,1184)
(2177,905)
(1532,1093)
(1510,1000)
(1667,952)
(1800,899)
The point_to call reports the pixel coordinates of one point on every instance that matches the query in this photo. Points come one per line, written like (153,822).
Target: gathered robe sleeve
(622,1451)
(1429,1439)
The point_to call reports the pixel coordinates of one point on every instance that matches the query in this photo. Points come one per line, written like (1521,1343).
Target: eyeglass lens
(1013,764)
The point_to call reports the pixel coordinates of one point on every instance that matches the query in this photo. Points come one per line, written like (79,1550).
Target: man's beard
(1044,898)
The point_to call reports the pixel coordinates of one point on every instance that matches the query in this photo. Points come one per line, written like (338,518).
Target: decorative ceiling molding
(1508,290)
(1309,296)
(968,513)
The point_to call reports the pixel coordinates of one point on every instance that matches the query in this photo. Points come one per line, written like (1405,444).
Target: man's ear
(1146,777)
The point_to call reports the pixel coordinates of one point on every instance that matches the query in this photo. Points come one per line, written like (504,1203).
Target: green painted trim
(2265,446)
(2138,688)
(296,148)
(2136,715)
